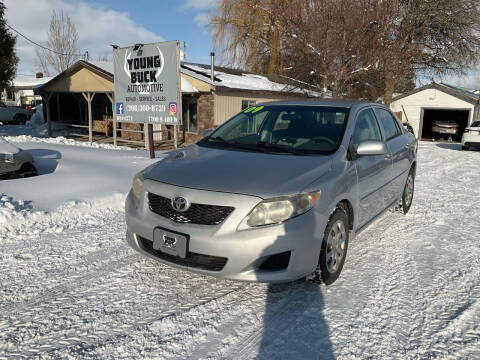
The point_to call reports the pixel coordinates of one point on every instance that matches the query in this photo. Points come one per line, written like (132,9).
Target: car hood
(242,172)
(8,148)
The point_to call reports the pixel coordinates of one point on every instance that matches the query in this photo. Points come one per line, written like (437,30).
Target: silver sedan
(276,193)
(15,162)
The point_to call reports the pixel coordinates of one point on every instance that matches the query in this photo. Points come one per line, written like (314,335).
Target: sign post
(148,85)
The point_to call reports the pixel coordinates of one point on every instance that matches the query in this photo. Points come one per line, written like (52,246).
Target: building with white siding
(437,102)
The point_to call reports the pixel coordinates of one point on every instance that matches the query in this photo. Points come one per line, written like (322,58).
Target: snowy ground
(71,288)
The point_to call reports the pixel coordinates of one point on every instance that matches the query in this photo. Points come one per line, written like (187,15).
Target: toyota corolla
(276,193)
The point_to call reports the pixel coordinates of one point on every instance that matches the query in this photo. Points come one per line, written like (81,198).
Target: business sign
(147,83)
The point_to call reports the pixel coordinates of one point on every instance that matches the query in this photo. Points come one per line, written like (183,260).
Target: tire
(408,191)
(465,147)
(19,119)
(27,170)
(335,243)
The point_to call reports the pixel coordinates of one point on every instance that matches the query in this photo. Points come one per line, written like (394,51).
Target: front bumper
(245,251)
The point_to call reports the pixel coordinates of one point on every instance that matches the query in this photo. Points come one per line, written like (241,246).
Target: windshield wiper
(237,145)
(219,139)
(285,149)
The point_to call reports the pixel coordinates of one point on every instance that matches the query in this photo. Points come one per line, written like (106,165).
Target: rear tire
(408,191)
(465,147)
(334,249)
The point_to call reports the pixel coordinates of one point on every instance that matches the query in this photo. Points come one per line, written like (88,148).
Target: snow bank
(37,119)
(72,173)
(61,140)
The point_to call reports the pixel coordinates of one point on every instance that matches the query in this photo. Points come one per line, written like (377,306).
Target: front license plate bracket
(170,242)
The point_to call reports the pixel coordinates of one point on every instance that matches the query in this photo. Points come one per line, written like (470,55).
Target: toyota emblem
(180,204)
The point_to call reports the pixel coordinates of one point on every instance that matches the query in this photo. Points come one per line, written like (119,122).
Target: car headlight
(137,186)
(278,210)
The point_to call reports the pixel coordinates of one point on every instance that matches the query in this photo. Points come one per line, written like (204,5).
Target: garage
(432,117)
(435,107)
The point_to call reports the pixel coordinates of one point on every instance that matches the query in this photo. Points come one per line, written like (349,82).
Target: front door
(373,172)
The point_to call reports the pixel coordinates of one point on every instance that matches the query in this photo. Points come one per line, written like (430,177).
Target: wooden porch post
(111,97)
(89,97)
(47,97)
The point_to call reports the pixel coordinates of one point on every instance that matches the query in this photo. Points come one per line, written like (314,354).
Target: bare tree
(62,40)
(361,48)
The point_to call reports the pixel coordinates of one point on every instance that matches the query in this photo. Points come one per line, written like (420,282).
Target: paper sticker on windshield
(253,109)
(250,109)
(257,109)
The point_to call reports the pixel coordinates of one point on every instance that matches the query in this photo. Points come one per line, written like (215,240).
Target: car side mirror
(206,132)
(370,148)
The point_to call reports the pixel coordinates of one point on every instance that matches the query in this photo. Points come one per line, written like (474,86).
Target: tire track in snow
(55,342)
(40,303)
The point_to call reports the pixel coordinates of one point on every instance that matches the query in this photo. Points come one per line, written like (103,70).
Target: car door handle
(388,156)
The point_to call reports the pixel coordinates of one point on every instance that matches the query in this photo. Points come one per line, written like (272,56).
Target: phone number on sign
(146,108)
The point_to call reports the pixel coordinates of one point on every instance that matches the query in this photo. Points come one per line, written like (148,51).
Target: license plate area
(170,242)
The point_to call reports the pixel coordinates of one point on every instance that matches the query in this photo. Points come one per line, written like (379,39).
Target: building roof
(460,93)
(224,78)
(244,80)
(29,81)
(105,68)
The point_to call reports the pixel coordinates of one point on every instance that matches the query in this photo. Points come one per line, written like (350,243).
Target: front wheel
(20,119)
(408,191)
(334,249)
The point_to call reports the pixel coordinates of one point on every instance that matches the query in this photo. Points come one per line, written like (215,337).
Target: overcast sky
(103,22)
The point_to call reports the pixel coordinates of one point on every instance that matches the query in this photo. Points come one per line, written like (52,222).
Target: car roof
(321,102)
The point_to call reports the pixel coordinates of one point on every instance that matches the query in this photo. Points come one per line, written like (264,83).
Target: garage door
(430,116)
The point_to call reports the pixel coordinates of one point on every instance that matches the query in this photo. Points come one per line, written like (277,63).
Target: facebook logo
(120,108)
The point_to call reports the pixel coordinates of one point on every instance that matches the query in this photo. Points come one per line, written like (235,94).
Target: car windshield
(297,130)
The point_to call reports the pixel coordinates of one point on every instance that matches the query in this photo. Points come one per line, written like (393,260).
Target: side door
(397,143)
(373,171)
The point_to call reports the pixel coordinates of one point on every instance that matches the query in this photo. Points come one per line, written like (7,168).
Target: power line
(35,43)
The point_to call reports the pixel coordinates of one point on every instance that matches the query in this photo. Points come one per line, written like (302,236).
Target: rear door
(372,171)
(397,141)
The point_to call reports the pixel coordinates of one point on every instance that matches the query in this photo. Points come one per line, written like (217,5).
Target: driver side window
(366,128)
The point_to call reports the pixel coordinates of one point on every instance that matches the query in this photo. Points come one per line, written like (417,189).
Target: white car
(15,162)
(471,136)
(13,114)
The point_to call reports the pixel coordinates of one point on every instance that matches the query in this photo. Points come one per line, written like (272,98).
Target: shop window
(190,117)
(247,103)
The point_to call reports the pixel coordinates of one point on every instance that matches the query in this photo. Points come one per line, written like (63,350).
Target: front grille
(200,261)
(200,214)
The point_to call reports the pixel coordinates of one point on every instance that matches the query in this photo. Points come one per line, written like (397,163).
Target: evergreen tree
(8,57)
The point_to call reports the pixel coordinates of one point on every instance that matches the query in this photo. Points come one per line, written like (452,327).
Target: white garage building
(425,105)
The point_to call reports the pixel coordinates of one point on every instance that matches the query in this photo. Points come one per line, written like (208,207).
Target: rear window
(475,124)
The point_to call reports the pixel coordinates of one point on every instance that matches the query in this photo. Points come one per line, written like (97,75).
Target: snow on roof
(30,80)
(237,79)
(104,65)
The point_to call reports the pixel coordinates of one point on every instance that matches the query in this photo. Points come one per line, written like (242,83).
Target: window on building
(247,103)
(11,95)
(190,118)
